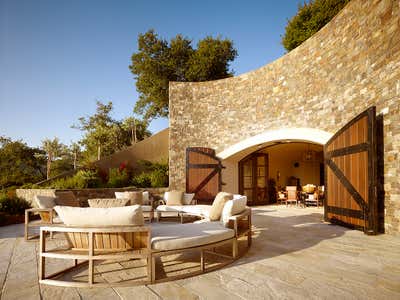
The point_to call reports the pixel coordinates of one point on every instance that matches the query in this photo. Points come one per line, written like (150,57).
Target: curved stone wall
(350,64)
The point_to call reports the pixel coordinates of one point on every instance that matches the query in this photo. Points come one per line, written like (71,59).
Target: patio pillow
(96,216)
(173,198)
(233,207)
(45,201)
(108,202)
(187,198)
(135,197)
(218,205)
(146,197)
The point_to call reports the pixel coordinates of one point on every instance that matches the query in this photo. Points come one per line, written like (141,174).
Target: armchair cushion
(218,205)
(173,198)
(95,216)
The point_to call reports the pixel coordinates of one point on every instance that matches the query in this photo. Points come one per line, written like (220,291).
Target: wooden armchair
(292,195)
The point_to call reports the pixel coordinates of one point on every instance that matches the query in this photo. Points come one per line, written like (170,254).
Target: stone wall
(82,195)
(349,65)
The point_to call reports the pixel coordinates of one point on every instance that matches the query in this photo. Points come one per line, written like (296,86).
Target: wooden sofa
(149,242)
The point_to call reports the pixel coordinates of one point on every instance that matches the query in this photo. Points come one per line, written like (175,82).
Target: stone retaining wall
(349,65)
(82,195)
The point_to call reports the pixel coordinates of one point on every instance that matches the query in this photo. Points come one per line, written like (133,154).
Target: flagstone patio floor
(295,255)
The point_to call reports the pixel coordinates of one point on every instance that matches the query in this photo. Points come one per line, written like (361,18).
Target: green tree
(97,129)
(136,128)
(19,164)
(310,18)
(53,149)
(158,62)
(104,135)
(75,150)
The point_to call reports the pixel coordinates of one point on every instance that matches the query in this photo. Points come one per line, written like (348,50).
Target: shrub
(142,180)
(159,176)
(81,180)
(118,177)
(13,205)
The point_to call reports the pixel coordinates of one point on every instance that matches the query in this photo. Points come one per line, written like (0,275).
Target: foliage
(310,18)
(142,180)
(12,204)
(19,163)
(103,135)
(153,175)
(118,178)
(158,62)
(53,149)
(81,180)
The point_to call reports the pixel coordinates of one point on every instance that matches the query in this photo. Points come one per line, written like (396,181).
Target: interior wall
(282,158)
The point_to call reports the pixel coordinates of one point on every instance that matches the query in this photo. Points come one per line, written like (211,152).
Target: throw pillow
(174,198)
(218,205)
(45,201)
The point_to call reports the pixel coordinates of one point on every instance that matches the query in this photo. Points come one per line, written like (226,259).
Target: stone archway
(311,135)
(232,155)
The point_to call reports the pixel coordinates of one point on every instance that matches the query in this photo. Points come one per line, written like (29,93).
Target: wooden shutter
(351,179)
(203,173)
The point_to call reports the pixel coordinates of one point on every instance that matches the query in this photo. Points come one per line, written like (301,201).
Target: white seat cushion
(175,208)
(94,216)
(197,210)
(147,208)
(188,235)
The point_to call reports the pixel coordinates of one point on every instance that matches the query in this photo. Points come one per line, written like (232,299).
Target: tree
(104,135)
(137,129)
(310,18)
(97,128)
(53,149)
(158,62)
(19,164)
(75,150)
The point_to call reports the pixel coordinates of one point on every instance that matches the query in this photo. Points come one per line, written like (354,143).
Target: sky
(58,57)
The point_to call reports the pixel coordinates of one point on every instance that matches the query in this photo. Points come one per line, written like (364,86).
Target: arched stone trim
(294,134)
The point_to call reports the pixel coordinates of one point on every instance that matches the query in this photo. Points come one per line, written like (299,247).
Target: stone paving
(295,255)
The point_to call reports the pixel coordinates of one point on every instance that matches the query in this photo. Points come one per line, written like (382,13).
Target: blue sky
(58,57)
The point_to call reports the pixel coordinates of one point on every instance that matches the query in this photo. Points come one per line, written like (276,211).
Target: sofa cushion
(174,208)
(233,207)
(197,210)
(187,199)
(180,236)
(218,205)
(95,216)
(173,198)
(45,201)
(108,202)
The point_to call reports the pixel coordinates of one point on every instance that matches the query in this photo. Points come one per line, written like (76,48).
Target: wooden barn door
(351,179)
(203,173)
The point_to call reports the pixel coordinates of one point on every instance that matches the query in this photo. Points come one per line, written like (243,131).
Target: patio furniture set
(310,195)
(115,229)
